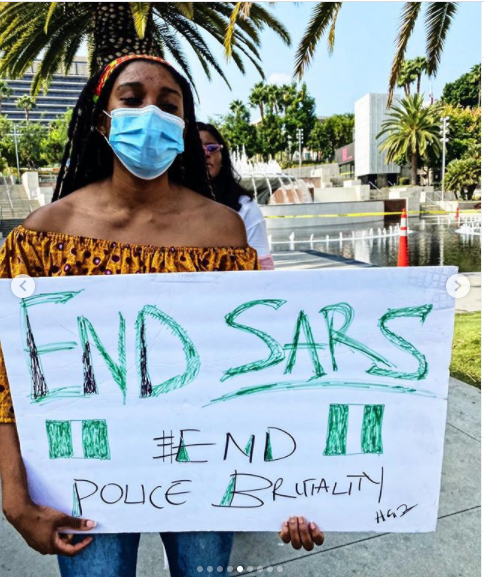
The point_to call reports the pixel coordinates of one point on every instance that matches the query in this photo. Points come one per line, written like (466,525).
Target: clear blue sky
(364,47)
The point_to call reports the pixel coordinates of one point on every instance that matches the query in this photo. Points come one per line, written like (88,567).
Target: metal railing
(374,186)
(8,192)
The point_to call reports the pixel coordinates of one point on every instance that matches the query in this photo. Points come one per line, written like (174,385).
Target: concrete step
(8,224)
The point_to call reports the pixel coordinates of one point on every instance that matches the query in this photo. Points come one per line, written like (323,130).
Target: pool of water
(430,243)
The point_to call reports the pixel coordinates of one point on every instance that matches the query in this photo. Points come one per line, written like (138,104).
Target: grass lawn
(466,349)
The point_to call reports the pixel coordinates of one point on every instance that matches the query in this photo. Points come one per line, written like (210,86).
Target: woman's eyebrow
(133,84)
(138,84)
(168,90)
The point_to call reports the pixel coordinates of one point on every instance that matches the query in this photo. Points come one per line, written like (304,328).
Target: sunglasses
(211,148)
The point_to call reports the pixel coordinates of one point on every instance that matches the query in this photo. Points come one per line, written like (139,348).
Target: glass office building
(61,96)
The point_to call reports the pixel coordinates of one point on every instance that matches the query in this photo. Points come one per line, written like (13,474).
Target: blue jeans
(115,555)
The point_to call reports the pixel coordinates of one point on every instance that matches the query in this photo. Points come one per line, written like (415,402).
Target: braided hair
(88,157)
(226,185)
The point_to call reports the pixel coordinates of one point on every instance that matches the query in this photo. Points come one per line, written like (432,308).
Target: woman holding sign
(126,201)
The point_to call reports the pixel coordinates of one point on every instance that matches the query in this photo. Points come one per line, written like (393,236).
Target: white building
(370,164)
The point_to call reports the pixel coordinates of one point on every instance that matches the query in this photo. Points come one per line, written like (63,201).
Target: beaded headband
(111,67)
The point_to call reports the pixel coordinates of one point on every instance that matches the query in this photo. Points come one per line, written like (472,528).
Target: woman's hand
(41,528)
(300,533)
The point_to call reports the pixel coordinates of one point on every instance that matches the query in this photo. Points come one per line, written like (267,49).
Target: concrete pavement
(472,301)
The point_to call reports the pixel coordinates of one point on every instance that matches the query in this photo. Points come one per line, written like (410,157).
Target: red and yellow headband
(111,67)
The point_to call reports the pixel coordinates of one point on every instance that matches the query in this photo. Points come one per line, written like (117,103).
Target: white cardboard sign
(230,401)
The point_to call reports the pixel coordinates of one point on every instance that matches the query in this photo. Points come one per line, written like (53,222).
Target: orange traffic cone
(457,215)
(403,246)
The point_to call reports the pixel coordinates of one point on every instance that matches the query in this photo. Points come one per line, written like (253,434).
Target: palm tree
(273,98)
(27,103)
(5,92)
(420,66)
(54,31)
(411,129)
(257,97)
(237,107)
(438,19)
(407,77)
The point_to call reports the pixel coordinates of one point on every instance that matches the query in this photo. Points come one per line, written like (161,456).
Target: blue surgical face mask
(146,140)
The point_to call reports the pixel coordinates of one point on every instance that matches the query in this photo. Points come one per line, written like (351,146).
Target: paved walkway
(312,259)
(452,551)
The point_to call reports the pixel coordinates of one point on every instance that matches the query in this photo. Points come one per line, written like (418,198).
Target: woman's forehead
(206,135)
(149,74)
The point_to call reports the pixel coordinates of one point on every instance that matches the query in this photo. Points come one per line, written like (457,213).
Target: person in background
(228,191)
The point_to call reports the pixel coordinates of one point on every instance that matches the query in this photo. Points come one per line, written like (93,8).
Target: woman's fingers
(67,522)
(67,537)
(63,546)
(294,532)
(305,535)
(300,533)
(316,535)
(284,534)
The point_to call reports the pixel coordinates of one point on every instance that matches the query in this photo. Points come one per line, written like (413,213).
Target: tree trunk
(261,108)
(470,191)
(414,168)
(419,77)
(115,35)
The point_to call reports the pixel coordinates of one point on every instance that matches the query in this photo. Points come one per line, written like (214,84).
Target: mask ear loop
(100,132)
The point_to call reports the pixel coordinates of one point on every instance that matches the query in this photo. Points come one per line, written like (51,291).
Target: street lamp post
(289,149)
(14,134)
(300,136)
(444,139)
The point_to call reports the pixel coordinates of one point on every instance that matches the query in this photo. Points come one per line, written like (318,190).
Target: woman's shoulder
(223,224)
(250,211)
(47,218)
(56,216)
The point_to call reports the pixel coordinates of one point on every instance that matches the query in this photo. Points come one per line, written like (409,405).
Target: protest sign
(230,401)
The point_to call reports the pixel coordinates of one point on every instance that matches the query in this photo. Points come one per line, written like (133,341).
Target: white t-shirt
(255,225)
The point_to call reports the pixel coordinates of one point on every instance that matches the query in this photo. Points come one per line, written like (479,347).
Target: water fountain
(470,225)
(268,181)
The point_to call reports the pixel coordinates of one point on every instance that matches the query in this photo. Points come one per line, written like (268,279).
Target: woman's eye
(169,107)
(131,101)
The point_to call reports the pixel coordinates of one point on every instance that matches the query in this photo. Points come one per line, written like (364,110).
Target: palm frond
(231,27)
(23,37)
(408,19)
(322,16)
(215,25)
(438,19)
(197,43)
(256,64)
(215,12)
(141,12)
(52,7)
(63,46)
(185,8)
(167,39)
(332,30)
(262,17)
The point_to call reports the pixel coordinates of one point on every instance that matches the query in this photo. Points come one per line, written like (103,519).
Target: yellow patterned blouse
(53,254)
